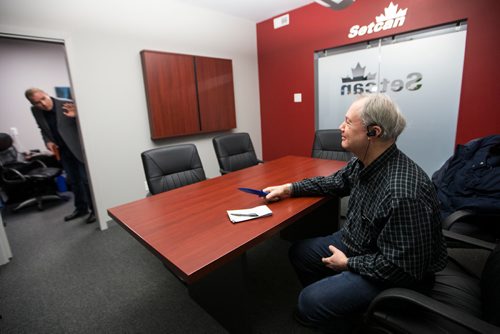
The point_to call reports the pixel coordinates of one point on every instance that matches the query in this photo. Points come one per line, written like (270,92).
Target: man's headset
(371,132)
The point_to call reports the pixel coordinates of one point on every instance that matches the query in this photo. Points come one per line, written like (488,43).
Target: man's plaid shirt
(393,227)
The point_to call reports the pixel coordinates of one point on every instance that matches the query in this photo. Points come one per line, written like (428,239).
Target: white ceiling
(254,10)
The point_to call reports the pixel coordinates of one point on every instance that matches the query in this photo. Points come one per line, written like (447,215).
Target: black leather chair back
(5,141)
(8,153)
(234,152)
(171,167)
(327,145)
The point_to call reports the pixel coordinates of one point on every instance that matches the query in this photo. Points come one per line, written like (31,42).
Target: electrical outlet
(14,131)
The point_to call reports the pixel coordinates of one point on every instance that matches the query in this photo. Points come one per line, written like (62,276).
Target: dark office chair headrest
(5,141)
(329,140)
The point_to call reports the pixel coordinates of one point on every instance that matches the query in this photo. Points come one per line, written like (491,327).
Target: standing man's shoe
(90,218)
(74,215)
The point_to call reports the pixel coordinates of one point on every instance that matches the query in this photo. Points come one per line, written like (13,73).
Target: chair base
(39,201)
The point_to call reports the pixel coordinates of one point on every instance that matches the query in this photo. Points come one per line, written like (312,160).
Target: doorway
(25,63)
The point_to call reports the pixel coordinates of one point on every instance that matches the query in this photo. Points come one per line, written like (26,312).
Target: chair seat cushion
(458,289)
(43,173)
(452,286)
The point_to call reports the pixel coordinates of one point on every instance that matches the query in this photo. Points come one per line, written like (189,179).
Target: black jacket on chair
(470,179)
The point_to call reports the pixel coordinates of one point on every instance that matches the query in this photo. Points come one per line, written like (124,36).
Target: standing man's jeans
(329,297)
(78,179)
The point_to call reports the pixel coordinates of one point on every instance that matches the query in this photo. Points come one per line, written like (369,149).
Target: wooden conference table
(188,227)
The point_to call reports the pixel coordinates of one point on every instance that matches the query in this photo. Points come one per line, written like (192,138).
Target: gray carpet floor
(70,277)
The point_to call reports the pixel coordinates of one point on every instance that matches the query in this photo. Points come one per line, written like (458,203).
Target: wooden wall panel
(188,94)
(171,93)
(215,93)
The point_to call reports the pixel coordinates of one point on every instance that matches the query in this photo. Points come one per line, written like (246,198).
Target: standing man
(57,123)
(392,235)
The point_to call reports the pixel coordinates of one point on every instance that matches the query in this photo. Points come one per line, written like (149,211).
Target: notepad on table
(237,216)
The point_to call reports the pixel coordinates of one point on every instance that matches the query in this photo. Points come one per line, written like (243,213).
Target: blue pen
(259,193)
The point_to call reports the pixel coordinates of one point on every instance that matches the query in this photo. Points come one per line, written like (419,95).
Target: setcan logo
(360,83)
(390,19)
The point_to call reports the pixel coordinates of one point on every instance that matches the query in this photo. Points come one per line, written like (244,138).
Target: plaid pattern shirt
(393,227)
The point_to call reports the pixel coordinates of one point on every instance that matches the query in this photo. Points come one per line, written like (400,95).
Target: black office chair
(458,302)
(26,182)
(234,152)
(171,167)
(468,188)
(33,179)
(328,145)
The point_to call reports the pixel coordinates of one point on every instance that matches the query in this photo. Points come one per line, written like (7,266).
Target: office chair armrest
(11,175)
(465,214)
(406,297)
(469,240)
(223,171)
(455,217)
(38,162)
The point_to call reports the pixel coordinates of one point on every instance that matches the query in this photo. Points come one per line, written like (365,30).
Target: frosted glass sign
(423,74)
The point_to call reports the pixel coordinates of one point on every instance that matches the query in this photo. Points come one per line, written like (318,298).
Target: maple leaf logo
(391,13)
(358,74)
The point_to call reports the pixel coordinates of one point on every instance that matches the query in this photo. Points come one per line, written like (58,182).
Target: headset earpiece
(371,133)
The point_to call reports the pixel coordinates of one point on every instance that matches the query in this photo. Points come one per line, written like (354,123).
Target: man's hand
(51,146)
(337,261)
(69,109)
(54,149)
(278,192)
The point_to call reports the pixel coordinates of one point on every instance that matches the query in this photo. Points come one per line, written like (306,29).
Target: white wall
(25,64)
(103,40)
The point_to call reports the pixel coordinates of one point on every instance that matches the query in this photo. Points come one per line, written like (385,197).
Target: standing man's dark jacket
(66,126)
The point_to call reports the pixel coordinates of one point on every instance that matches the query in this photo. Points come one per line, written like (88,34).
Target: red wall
(286,64)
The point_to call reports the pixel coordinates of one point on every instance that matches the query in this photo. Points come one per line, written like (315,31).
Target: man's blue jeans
(329,298)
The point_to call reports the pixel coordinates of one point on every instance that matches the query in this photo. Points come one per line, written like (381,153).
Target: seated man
(392,234)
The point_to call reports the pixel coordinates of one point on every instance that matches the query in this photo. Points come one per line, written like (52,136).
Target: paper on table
(247,214)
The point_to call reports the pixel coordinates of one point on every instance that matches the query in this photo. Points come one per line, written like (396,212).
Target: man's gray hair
(379,109)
